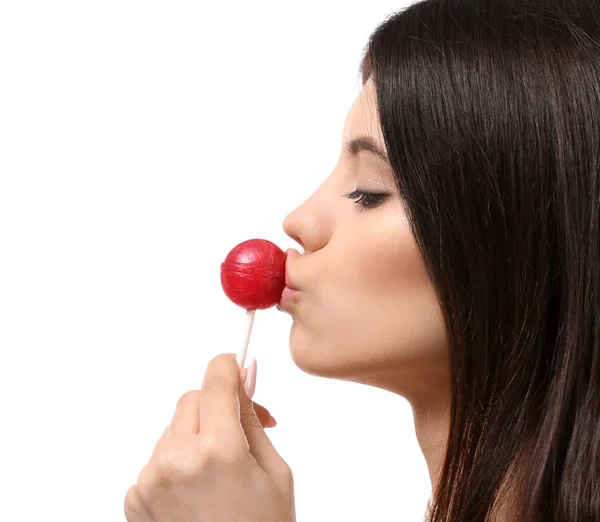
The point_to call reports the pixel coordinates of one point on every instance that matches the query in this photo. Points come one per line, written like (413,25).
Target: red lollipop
(253,277)
(253,274)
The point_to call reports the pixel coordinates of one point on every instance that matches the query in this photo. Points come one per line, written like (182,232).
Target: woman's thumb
(260,445)
(264,415)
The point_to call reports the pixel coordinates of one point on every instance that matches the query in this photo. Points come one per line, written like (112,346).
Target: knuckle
(132,503)
(145,483)
(217,452)
(175,466)
(188,397)
(284,473)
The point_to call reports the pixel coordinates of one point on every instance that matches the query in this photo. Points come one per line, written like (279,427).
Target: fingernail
(250,384)
(271,423)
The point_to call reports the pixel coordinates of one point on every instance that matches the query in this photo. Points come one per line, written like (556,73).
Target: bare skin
(366,311)
(215,461)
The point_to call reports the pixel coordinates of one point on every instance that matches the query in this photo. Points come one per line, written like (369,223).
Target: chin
(330,360)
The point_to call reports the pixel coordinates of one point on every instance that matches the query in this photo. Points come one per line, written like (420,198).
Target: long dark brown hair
(490,110)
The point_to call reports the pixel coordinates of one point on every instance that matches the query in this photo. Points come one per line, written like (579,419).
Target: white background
(139,142)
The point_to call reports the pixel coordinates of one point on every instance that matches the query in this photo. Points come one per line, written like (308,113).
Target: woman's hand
(214,463)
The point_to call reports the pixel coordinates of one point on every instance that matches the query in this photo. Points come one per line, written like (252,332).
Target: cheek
(380,267)
(372,303)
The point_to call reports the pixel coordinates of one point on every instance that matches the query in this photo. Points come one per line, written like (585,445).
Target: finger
(186,419)
(134,508)
(218,400)
(259,443)
(264,416)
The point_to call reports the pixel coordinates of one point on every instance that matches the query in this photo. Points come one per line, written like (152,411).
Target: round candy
(253,274)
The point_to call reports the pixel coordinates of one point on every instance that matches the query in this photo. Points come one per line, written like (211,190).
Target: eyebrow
(367,144)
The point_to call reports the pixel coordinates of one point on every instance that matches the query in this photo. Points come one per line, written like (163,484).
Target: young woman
(452,257)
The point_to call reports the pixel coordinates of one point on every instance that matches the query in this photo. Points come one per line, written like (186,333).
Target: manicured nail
(271,423)
(250,384)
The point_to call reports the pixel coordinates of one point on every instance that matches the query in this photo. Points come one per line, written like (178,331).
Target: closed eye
(366,199)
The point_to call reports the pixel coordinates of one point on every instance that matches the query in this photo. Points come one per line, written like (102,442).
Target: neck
(429,398)
(431,428)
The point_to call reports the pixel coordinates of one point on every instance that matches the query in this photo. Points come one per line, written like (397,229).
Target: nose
(290,227)
(308,224)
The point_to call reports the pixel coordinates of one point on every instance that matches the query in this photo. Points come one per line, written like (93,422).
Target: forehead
(362,118)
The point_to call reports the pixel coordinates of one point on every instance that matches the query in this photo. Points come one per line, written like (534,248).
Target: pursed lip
(290,288)
(286,295)
(289,284)
(288,280)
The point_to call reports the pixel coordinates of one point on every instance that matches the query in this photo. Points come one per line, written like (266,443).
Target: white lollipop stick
(241,356)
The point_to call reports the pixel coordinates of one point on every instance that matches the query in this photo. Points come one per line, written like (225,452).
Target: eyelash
(366,199)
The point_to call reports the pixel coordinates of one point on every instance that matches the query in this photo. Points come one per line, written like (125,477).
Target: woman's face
(365,310)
